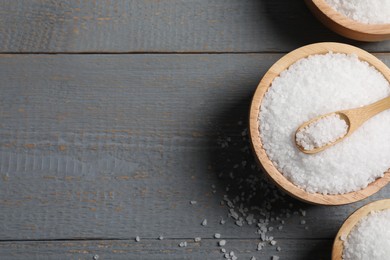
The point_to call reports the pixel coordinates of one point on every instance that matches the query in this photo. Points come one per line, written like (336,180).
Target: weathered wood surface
(114,146)
(161,26)
(165,249)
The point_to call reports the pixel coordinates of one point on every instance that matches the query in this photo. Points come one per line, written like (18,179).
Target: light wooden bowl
(277,177)
(351,221)
(345,26)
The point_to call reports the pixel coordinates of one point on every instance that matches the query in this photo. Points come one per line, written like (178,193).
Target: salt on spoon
(316,134)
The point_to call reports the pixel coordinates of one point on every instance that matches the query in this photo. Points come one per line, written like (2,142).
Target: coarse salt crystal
(321,132)
(364,11)
(222,243)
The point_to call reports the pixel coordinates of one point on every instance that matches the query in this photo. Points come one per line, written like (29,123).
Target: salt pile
(370,238)
(364,11)
(322,132)
(315,86)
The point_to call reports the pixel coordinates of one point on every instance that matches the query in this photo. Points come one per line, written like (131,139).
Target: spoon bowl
(257,145)
(351,221)
(354,118)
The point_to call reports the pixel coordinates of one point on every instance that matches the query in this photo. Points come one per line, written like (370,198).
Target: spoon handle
(377,107)
(362,114)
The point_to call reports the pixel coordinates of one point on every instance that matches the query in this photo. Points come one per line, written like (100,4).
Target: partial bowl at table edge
(270,170)
(345,26)
(351,221)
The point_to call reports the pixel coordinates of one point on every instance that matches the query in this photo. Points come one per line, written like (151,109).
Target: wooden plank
(165,249)
(114,146)
(161,26)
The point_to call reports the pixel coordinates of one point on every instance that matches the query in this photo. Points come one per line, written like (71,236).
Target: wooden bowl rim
(351,221)
(342,20)
(271,171)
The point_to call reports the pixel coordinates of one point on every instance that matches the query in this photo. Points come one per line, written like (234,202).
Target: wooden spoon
(351,221)
(354,118)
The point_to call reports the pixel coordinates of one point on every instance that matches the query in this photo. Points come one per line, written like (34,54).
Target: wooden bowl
(277,177)
(345,26)
(351,221)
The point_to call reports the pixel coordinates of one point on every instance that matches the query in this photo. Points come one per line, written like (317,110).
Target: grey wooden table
(115,114)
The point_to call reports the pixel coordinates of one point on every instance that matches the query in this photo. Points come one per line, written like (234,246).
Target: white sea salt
(137,239)
(370,238)
(183,244)
(197,239)
(204,222)
(315,86)
(217,235)
(321,132)
(364,11)
(222,243)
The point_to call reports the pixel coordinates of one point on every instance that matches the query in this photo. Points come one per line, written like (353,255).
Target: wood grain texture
(270,169)
(161,26)
(114,146)
(165,249)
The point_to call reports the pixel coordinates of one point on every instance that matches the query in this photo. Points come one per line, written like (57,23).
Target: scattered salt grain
(193,202)
(160,237)
(275,257)
(370,238)
(222,243)
(197,239)
(303,222)
(217,235)
(364,11)
(317,85)
(204,222)
(321,132)
(278,249)
(223,250)
(222,222)
(137,239)
(253,258)
(239,223)
(273,242)
(95,257)
(183,244)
